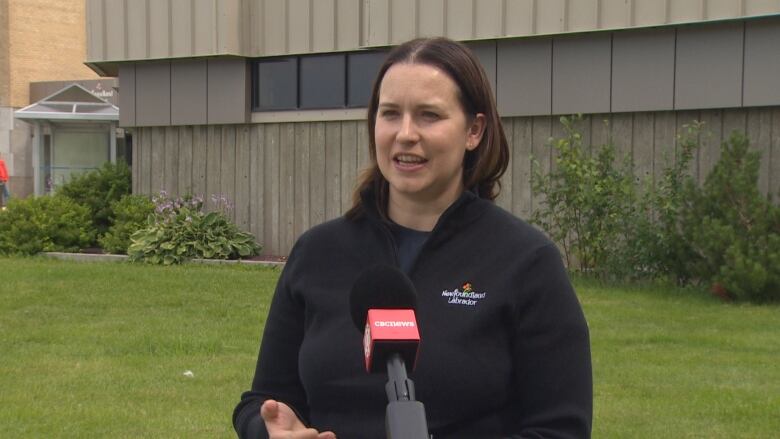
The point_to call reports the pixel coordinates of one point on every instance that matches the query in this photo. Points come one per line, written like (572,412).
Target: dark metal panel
(228,91)
(709,66)
(762,62)
(153,94)
(188,92)
(486,52)
(524,77)
(127,95)
(643,70)
(581,74)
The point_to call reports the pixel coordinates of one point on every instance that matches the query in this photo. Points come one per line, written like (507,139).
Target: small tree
(656,245)
(585,198)
(733,230)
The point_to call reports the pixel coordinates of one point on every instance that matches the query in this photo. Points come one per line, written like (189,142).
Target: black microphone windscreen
(380,287)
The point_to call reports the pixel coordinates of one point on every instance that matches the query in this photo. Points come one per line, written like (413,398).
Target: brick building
(40,40)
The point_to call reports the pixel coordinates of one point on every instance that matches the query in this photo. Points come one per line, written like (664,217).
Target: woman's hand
(282,423)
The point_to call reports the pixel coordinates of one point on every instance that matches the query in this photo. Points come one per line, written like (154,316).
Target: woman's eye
(430,115)
(388,113)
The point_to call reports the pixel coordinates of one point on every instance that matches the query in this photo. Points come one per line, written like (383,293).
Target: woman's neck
(418,214)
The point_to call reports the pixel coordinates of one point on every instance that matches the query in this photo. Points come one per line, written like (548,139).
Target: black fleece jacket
(504,344)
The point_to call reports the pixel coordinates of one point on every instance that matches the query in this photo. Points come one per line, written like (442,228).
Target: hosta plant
(180,229)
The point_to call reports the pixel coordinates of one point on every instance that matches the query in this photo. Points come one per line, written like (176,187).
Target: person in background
(6,194)
(504,350)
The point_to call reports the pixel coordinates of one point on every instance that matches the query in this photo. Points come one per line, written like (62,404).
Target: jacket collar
(466,209)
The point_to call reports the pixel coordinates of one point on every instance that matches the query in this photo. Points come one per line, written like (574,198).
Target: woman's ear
(475,132)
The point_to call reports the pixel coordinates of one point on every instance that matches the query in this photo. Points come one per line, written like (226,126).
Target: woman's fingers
(282,423)
(270,410)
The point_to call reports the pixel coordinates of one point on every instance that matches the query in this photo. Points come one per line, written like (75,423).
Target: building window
(275,84)
(307,82)
(322,81)
(361,71)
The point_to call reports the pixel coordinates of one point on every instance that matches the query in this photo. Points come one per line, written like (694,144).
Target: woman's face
(422,134)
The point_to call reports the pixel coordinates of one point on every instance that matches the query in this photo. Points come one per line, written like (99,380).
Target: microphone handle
(405,417)
(406,420)
(399,387)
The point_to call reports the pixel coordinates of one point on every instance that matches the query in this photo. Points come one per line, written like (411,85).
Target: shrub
(656,246)
(130,214)
(97,190)
(180,230)
(733,230)
(32,225)
(723,233)
(586,196)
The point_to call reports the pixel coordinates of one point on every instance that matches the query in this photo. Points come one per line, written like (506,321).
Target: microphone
(382,302)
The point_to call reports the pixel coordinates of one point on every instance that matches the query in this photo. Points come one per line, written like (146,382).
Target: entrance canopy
(75,131)
(73,102)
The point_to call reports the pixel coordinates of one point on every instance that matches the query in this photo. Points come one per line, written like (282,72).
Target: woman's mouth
(409,161)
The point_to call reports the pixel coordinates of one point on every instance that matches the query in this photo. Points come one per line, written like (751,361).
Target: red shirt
(3,171)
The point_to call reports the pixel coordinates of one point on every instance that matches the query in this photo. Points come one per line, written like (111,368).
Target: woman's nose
(407,132)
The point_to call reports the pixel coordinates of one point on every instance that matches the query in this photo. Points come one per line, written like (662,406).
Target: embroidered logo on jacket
(467,296)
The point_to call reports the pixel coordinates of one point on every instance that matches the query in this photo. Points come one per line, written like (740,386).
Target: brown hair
(483,166)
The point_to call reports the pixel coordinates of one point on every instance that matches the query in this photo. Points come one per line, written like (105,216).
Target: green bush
(130,214)
(732,229)
(586,197)
(724,234)
(32,225)
(97,190)
(656,246)
(180,230)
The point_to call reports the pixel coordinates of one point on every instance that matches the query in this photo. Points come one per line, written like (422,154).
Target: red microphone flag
(390,330)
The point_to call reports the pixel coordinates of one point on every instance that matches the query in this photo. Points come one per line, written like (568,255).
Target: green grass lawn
(100,349)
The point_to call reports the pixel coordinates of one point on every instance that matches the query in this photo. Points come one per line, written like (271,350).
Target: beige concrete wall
(46,41)
(141,30)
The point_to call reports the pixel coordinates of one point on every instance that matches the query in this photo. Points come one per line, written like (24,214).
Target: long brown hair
(483,166)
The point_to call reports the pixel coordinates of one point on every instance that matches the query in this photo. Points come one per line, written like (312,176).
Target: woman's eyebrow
(429,106)
(421,106)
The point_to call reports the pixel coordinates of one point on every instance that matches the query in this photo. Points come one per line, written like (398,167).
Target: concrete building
(40,40)
(264,100)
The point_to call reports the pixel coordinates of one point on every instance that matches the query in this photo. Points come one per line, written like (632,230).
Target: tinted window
(322,81)
(276,84)
(361,71)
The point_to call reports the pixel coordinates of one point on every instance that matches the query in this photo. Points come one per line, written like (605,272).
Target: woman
(505,350)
